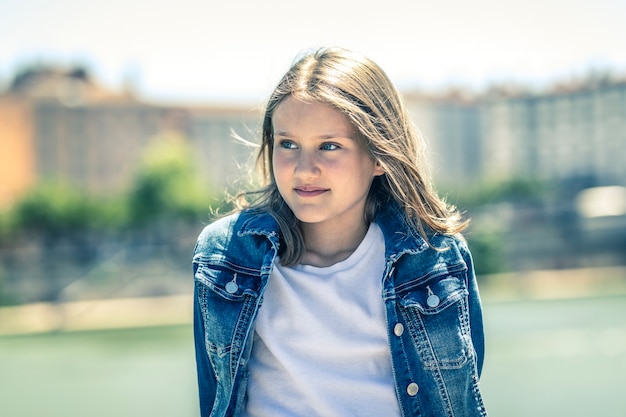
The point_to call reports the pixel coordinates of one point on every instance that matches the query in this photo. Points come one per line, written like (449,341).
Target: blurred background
(117,126)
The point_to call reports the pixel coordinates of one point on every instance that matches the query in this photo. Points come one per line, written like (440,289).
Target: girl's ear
(378,169)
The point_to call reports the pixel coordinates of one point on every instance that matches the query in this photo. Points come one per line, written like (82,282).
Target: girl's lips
(309,191)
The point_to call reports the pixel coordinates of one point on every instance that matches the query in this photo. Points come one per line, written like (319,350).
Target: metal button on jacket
(232,287)
(412,389)
(432,301)
(398,329)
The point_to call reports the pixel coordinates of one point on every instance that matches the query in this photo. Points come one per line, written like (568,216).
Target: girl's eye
(329,147)
(287,144)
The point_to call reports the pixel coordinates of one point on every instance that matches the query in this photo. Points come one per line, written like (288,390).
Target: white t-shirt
(320,344)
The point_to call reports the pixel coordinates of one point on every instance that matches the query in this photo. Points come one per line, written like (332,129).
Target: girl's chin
(309,217)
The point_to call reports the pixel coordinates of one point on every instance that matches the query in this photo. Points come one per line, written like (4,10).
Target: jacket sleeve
(475,309)
(205,373)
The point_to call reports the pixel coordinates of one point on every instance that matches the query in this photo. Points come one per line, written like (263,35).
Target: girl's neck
(325,246)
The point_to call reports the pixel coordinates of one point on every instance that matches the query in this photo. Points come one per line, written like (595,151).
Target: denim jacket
(433,311)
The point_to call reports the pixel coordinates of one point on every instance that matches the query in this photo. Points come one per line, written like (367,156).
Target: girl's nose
(306,165)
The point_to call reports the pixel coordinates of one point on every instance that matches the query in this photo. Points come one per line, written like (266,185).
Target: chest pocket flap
(432,295)
(229,282)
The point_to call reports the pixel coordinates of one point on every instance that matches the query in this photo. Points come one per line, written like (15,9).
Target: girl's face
(320,169)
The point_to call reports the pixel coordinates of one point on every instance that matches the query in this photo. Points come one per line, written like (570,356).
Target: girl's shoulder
(440,240)
(220,228)
(233,232)
(450,250)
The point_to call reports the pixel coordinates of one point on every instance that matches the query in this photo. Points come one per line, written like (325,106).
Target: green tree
(54,209)
(487,252)
(167,186)
(516,190)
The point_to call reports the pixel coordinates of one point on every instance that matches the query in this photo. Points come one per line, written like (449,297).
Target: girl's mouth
(309,191)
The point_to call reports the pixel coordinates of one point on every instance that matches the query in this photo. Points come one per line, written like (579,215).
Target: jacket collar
(400,238)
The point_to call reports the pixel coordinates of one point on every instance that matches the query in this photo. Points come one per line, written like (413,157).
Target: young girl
(344,288)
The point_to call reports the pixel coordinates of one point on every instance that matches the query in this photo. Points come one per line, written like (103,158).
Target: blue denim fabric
(434,317)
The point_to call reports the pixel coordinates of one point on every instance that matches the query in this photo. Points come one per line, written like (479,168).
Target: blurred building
(571,132)
(224,139)
(451,124)
(575,132)
(17,162)
(60,125)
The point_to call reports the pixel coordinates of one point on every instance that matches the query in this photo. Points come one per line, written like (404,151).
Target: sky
(236,50)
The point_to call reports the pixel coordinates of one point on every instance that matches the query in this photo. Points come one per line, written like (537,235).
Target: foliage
(53,209)
(515,190)
(166,188)
(487,252)
(167,185)
(483,203)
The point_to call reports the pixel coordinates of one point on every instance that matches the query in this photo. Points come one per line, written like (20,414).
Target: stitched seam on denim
(241,330)
(451,270)
(220,264)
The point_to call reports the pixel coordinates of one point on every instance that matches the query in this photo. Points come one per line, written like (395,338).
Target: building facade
(565,134)
(60,126)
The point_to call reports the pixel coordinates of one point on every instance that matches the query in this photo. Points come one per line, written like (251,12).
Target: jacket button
(232,287)
(432,301)
(398,329)
(412,389)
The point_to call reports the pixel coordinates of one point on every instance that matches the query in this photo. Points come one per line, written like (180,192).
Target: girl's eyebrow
(331,135)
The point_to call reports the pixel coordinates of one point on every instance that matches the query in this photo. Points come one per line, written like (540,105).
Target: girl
(344,288)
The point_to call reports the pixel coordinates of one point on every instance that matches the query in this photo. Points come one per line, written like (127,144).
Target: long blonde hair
(360,89)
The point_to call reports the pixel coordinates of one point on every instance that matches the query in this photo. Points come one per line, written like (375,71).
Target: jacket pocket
(226,298)
(228,283)
(437,317)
